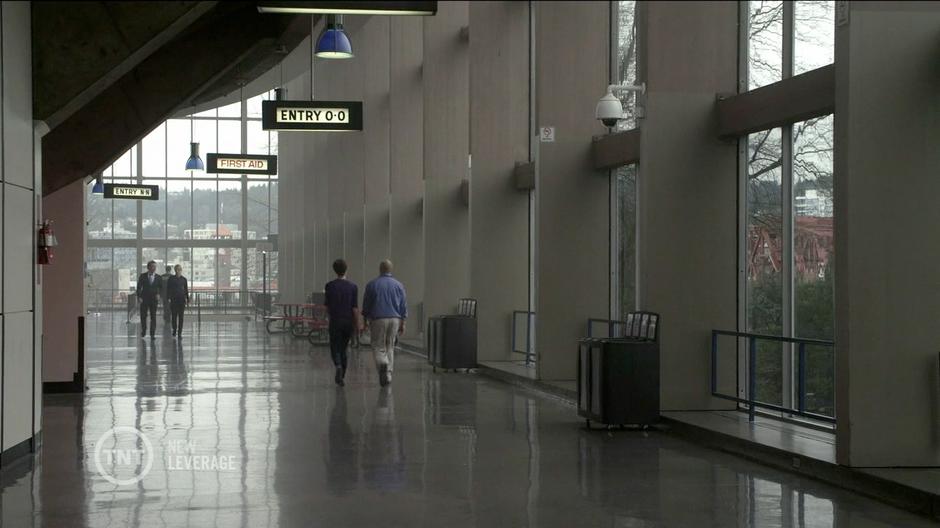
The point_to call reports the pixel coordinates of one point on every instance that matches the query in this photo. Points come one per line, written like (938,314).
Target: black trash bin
(618,378)
(452,339)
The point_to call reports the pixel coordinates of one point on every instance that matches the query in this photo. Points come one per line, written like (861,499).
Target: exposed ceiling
(107,73)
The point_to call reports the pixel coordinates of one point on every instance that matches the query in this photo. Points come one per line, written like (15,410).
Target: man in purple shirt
(341,302)
(384,305)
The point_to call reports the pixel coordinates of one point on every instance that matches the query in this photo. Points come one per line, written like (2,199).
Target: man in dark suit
(149,288)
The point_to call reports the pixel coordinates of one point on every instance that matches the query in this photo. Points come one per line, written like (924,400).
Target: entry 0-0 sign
(311,115)
(241,164)
(128,191)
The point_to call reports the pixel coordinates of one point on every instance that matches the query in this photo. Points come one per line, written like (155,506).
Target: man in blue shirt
(384,305)
(341,300)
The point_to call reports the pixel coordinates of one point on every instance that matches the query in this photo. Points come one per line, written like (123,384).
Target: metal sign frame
(109,193)
(212,161)
(353,120)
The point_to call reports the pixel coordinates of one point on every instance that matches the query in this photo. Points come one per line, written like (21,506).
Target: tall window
(208,223)
(626,54)
(788,235)
(624,179)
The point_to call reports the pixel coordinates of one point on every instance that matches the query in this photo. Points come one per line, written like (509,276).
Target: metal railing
(751,400)
(209,301)
(528,319)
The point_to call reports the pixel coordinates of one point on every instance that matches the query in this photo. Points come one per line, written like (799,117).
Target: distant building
(813,246)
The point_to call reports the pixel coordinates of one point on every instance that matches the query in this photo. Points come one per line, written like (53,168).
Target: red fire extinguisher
(45,242)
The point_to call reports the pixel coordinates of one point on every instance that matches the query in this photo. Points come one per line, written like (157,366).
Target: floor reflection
(430,450)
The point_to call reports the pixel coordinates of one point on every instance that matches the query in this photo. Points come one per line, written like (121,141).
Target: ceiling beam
(129,63)
(124,112)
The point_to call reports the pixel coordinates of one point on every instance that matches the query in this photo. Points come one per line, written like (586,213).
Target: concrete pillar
(573,210)
(499,137)
(20,399)
(688,190)
(446,150)
(375,136)
(406,160)
(292,176)
(887,249)
(64,291)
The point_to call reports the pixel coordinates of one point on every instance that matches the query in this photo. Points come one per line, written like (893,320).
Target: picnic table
(300,319)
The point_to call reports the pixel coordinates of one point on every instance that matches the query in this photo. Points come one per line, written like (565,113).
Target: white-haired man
(386,308)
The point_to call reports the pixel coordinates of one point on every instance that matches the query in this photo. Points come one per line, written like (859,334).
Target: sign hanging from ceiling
(311,115)
(241,164)
(129,191)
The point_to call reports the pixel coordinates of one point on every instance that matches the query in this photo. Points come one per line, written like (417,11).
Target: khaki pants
(383,333)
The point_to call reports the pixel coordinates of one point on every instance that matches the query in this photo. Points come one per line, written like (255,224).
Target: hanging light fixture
(194,163)
(99,186)
(333,42)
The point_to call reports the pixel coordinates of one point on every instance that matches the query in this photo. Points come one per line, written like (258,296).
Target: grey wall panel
(18,250)
(17,95)
(375,140)
(337,247)
(375,226)
(311,171)
(499,124)
(446,149)
(19,409)
(374,61)
(688,191)
(17,378)
(355,240)
(288,177)
(573,210)
(887,249)
(406,157)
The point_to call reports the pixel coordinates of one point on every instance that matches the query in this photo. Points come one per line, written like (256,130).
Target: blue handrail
(750,400)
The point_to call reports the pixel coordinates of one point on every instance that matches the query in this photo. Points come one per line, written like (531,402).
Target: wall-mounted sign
(311,115)
(547,134)
(241,164)
(129,191)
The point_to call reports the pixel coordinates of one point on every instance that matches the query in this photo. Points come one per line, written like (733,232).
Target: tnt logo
(123,455)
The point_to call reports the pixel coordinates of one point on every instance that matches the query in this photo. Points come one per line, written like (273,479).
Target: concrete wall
(887,249)
(406,159)
(572,198)
(688,190)
(64,290)
(443,88)
(446,150)
(499,137)
(20,359)
(344,195)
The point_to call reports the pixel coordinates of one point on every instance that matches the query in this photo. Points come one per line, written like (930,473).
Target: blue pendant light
(194,163)
(333,42)
(99,186)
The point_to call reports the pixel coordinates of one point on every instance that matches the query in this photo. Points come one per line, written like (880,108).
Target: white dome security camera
(609,109)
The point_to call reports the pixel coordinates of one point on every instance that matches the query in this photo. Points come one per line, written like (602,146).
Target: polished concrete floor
(236,428)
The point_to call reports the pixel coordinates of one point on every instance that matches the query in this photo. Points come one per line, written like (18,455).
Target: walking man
(178,295)
(384,305)
(341,300)
(149,287)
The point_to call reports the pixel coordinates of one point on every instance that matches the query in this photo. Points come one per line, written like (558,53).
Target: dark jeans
(151,307)
(176,309)
(340,332)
